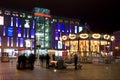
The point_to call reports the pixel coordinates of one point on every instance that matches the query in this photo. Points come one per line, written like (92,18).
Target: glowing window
(19,32)
(1,20)
(32,33)
(10,31)
(16,42)
(0,41)
(11,41)
(8,41)
(21,42)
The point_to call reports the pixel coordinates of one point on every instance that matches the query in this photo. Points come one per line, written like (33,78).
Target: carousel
(89,47)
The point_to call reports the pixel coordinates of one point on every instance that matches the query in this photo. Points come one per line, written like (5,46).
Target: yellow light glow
(64,37)
(112,38)
(106,36)
(72,36)
(96,35)
(84,35)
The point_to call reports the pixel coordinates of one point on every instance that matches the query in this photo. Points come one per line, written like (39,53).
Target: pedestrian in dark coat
(41,58)
(47,60)
(75,61)
(19,61)
(32,60)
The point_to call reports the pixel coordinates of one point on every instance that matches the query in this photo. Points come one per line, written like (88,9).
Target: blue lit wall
(61,27)
(16,27)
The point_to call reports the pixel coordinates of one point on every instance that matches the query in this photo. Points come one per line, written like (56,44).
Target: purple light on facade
(56,36)
(11,21)
(4,31)
(20,22)
(16,22)
(76,29)
(32,33)
(70,28)
(11,41)
(65,47)
(58,26)
(33,44)
(33,24)
(63,27)
(0,41)
(27,33)
(21,42)
(19,32)
(16,42)
(8,41)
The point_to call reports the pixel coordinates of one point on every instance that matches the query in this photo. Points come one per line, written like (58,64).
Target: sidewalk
(8,71)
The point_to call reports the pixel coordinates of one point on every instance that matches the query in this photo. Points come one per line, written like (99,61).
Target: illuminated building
(63,26)
(43,33)
(17,31)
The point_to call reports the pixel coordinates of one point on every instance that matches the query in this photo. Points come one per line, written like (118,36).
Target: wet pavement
(8,71)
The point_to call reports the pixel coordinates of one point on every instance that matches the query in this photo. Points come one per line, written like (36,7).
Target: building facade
(17,32)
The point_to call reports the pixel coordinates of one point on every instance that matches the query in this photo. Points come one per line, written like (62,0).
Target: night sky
(102,16)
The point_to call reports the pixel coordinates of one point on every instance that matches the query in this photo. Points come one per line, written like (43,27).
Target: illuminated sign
(80,28)
(72,36)
(42,15)
(28,43)
(27,25)
(96,36)
(1,20)
(84,35)
(10,31)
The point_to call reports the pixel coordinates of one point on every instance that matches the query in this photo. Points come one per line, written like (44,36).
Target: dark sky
(101,15)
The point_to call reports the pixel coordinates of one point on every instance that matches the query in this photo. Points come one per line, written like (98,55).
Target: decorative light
(96,35)
(106,36)
(84,35)
(72,36)
(64,37)
(112,38)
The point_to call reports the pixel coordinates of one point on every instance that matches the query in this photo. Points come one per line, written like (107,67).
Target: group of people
(24,61)
(45,58)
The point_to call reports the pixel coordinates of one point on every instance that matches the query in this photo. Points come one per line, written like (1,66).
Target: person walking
(75,61)
(24,58)
(47,60)
(41,58)
(19,61)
